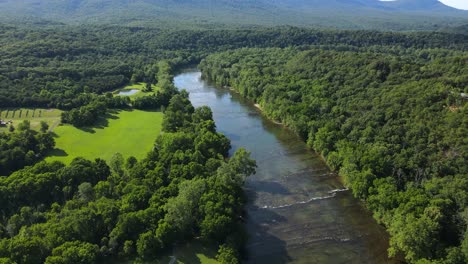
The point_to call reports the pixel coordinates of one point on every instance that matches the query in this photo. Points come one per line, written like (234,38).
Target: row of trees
(392,121)
(93,211)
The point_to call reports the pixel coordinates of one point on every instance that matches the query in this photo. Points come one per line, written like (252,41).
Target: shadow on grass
(155,110)
(102,122)
(190,253)
(54,135)
(58,153)
(268,187)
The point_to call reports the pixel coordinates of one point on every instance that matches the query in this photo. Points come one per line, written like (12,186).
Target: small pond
(129,92)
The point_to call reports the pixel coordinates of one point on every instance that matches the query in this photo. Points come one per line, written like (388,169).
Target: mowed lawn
(131,133)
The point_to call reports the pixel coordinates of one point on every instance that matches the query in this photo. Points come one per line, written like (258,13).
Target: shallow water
(129,92)
(298,211)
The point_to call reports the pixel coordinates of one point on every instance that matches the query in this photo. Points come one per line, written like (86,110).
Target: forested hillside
(391,120)
(349,14)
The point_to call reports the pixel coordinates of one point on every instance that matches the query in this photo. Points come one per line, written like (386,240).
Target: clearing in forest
(131,133)
(34,115)
(136,90)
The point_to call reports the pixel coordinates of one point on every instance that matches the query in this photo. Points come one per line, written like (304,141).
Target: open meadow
(34,115)
(131,133)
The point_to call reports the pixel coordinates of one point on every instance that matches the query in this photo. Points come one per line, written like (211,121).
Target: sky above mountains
(460,4)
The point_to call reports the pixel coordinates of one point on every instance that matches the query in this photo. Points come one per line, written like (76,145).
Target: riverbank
(335,229)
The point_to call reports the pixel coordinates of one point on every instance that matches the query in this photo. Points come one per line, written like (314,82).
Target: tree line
(52,67)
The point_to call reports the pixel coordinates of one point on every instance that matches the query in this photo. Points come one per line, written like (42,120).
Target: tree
(116,164)
(227,255)
(25,125)
(182,210)
(44,126)
(415,236)
(27,250)
(86,192)
(6,261)
(148,88)
(237,169)
(201,114)
(148,245)
(179,113)
(75,252)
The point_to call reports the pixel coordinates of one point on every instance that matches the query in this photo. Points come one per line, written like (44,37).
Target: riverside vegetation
(92,211)
(371,102)
(391,120)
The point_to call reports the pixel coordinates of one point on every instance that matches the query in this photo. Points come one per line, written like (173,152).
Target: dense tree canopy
(59,66)
(392,120)
(23,147)
(89,211)
(384,108)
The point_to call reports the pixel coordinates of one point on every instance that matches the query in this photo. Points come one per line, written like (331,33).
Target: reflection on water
(298,211)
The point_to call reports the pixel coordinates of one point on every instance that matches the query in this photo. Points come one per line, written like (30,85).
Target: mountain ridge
(351,14)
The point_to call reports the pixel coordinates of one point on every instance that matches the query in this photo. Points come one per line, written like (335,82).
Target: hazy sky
(461,4)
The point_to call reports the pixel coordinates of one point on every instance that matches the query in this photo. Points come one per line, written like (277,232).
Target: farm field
(131,133)
(34,115)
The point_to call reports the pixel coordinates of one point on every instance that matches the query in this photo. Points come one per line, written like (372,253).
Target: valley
(233,131)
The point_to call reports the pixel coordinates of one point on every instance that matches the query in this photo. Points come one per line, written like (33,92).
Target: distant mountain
(417,5)
(397,5)
(351,14)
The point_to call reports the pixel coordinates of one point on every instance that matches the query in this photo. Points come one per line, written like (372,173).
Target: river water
(298,210)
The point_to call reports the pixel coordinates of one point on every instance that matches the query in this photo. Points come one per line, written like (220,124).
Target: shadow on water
(268,187)
(232,136)
(262,244)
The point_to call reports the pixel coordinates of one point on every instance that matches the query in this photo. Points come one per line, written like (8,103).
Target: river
(298,210)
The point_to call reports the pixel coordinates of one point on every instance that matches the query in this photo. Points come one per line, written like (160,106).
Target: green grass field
(35,116)
(138,86)
(131,133)
(193,252)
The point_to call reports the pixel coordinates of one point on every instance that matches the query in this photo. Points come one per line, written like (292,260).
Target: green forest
(388,111)
(391,120)
(93,211)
